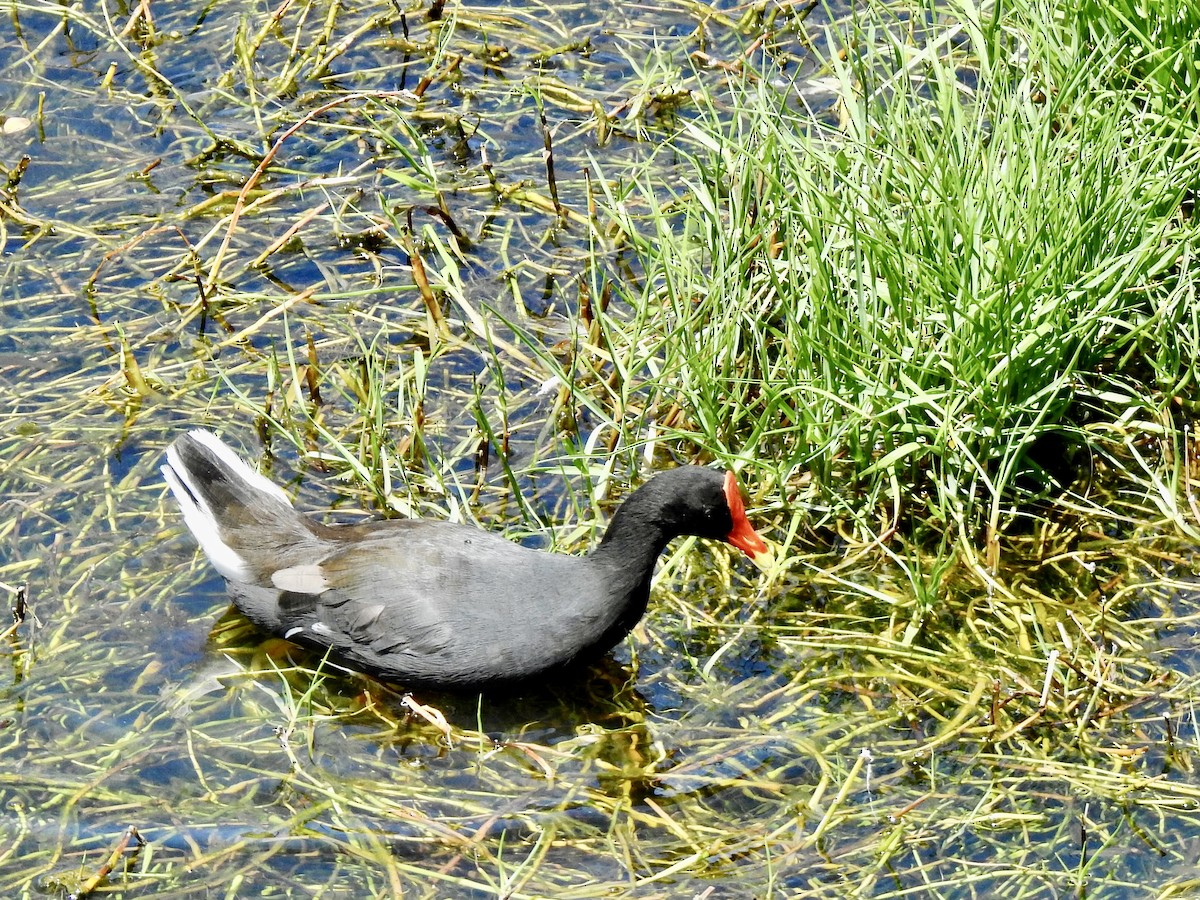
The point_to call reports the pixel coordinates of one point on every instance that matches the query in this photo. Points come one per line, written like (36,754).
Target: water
(698,760)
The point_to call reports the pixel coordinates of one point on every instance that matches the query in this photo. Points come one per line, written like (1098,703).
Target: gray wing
(424,601)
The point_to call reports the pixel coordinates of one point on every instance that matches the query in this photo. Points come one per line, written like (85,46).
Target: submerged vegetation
(923,274)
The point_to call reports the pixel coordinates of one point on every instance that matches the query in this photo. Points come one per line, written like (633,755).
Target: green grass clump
(1156,43)
(940,308)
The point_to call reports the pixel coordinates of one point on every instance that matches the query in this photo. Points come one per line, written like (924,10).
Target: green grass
(936,315)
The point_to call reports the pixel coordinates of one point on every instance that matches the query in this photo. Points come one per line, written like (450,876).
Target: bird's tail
(246,525)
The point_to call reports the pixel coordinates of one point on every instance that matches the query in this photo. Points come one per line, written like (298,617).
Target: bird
(427,603)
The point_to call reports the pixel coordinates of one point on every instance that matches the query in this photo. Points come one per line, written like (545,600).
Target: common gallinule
(435,604)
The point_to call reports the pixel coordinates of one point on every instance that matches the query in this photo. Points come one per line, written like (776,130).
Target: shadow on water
(603,693)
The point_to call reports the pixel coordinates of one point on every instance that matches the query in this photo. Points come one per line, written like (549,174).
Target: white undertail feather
(199,519)
(238,467)
(202,525)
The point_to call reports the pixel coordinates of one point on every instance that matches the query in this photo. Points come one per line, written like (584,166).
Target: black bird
(436,604)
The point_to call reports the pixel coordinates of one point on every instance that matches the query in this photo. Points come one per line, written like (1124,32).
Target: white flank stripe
(308,579)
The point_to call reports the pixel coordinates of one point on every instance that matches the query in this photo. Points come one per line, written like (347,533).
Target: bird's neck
(637,535)
(628,551)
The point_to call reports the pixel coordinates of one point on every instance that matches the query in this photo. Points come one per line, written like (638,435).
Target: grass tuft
(927,313)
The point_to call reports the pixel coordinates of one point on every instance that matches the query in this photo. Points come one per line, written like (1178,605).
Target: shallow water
(701,759)
(131,697)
